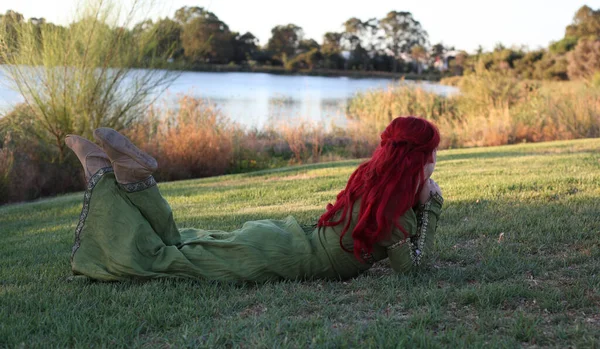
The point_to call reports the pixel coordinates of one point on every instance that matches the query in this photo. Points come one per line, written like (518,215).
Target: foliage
(403,34)
(28,168)
(204,37)
(584,60)
(79,78)
(586,24)
(564,45)
(167,35)
(190,141)
(285,40)
(195,38)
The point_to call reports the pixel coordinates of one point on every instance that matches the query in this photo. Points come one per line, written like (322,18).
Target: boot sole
(94,152)
(92,144)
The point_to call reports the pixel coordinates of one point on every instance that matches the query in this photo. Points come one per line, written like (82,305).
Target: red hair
(387,184)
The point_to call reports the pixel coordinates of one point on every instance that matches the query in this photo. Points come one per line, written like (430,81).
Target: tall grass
(194,139)
(379,107)
(492,109)
(78,78)
(190,141)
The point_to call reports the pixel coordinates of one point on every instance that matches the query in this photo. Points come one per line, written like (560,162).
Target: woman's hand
(429,188)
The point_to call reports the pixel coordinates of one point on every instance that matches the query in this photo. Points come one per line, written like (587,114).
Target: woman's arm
(407,254)
(428,215)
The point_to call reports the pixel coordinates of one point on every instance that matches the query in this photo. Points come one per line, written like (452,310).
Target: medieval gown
(128,231)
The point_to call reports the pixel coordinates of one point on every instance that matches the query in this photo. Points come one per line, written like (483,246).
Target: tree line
(194,38)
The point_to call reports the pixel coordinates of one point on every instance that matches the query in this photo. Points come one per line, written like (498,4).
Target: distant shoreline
(355,74)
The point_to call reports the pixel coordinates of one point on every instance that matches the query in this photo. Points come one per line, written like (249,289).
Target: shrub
(193,140)
(584,61)
(28,166)
(81,77)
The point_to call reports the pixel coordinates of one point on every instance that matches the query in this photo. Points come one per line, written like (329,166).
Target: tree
(167,35)
(352,29)
(584,61)
(331,50)
(499,47)
(82,77)
(403,32)
(168,38)
(332,43)
(552,67)
(187,13)
(205,38)
(307,45)
(438,50)
(563,46)
(586,24)
(525,68)
(245,46)
(285,40)
(306,60)
(359,38)
(9,24)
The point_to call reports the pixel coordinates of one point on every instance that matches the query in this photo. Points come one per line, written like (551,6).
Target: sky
(464,24)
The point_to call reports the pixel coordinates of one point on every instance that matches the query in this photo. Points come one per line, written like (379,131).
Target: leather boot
(131,165)
(91,156)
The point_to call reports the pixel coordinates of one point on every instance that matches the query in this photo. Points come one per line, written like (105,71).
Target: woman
(389,209)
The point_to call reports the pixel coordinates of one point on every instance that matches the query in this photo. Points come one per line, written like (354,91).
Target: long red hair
(387,184)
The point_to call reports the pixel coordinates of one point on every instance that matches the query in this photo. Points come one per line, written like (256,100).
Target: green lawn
(538,286)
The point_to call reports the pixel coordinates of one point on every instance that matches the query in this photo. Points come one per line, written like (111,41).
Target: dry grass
(492,109)
(193,140)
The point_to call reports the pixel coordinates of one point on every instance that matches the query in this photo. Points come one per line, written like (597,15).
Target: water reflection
(258,100)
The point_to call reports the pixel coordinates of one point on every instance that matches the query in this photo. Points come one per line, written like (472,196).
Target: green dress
(128,231)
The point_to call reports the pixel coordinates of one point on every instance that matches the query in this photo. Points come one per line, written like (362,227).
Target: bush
(81,77)
(193,140)
(28,166)
(6,163)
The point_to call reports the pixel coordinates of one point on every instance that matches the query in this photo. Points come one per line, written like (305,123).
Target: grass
(517,264)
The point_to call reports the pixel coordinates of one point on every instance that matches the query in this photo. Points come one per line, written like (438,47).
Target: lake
(255,99)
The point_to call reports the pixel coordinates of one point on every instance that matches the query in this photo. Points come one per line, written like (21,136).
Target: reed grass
(491,109)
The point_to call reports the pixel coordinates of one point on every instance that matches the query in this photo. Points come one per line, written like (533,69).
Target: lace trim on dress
(138,186)
(86,206)
(416,243)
